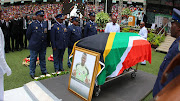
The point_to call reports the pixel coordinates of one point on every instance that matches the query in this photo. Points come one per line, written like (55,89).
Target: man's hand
(8,71)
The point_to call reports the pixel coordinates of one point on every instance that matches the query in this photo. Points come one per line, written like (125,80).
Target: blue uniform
(37,36)
(58,41)
(90,29)
(173,51)
(74,34)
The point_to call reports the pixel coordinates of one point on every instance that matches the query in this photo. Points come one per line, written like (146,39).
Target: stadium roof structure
(7,1)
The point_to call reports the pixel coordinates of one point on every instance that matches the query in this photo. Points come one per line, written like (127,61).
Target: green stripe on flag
(119,46)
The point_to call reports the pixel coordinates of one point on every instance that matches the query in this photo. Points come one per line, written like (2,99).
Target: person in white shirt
(4,68)
(139,18)
(112,26)
(143,33)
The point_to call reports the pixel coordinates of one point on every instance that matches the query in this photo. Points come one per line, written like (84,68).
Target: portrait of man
(81,71)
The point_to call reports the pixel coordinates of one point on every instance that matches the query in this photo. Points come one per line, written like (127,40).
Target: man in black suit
(21,32)
(6,31)
(26,22)
(15,30)
(144,18)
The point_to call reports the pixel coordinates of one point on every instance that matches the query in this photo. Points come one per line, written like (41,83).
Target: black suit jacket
(6,29)
(16,27)
(145,18)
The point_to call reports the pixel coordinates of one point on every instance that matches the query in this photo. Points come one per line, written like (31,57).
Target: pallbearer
(58,42)
(74,34)
(37,36)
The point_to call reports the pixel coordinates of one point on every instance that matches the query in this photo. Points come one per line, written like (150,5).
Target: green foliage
(155,39)
(126,11)
(126,29)
(102,19)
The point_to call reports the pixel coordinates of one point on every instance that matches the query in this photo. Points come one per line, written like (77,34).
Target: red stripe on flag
(140,51)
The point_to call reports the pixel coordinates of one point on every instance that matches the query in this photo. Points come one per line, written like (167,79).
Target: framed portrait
(83,73)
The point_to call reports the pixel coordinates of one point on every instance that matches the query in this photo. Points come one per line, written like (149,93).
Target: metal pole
(106,7)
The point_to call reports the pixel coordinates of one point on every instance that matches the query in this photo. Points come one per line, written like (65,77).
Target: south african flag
(119,51)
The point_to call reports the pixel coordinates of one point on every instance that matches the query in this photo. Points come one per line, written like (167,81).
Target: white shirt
(112,28)
(7,24)
(24,24)
(49,24)
(139,17)
(143,32)
(153,26)
(4,68)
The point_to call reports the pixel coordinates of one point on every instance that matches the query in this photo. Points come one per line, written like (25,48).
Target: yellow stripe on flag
(109,44)
(73,48)
(99,68)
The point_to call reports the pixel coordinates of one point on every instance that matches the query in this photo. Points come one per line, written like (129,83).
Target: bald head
(142,24)
(114,19)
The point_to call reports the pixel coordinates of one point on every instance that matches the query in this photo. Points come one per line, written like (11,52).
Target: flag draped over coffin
(119,51)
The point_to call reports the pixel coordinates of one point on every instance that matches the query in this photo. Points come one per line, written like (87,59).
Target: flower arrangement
(26,61)
(50,58)
(126,12)
(102,19)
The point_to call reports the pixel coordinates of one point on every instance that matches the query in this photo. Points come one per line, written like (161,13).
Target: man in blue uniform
(90,27)
(74,33)
(59,42)
(37,36)
(173,51)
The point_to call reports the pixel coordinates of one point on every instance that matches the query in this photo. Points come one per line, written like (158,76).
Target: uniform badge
(45,30)
(36,27)
(90,25)
(73,29)
(57,28)
(65,30)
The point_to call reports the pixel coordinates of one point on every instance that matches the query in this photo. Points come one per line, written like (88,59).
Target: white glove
(8,71)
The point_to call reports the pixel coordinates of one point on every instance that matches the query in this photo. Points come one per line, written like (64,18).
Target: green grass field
(20,73)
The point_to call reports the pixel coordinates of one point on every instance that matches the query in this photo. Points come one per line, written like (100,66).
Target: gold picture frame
(83,73)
